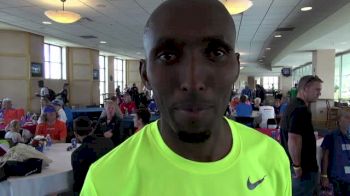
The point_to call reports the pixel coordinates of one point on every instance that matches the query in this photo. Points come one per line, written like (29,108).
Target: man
(64,93)
(91,149)
(192,150)
(44,91)
(247,91)
(297,136)
(141,118)
(336,156)
(57,103)
(8,113)
(52,126)
(128,106)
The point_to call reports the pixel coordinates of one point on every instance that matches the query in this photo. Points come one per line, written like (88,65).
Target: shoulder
(253,141)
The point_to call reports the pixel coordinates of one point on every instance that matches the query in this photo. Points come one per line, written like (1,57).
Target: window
(337,78)
(54,63)
(269,82)
(301,71)
(119,73)
(103,77)
(345,76)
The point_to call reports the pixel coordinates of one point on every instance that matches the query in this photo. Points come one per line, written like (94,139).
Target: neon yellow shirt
(145,165)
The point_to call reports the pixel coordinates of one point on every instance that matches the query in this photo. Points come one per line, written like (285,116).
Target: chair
(271,121)
(248,121)
(267,112)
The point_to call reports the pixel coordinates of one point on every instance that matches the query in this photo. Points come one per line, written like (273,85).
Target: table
(255,114)
(90,112)
(57,177)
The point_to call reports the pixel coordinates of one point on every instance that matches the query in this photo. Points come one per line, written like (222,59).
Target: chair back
(248,121)
(266,113)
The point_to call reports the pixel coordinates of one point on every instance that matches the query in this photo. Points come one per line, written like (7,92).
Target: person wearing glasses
(297,136)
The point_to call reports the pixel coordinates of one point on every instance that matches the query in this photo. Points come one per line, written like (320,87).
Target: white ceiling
(120,23)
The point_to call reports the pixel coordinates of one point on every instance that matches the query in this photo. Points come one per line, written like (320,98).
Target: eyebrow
(218,40)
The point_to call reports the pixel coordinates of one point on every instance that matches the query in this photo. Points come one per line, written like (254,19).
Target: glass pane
(345,86)
(46,52)
(102,62)
(337,78)
(55,54)
(47,70)
(102,75)
(55,71)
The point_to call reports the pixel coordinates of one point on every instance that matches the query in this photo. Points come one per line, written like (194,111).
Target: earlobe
(143,74)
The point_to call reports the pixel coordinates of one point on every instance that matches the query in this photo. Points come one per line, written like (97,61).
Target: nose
(193,75)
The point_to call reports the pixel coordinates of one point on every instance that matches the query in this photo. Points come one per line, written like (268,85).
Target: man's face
(7,105)
(51,116)
(313,91)
(127,98)
(190,66)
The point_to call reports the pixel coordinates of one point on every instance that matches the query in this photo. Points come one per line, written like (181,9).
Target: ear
(237,66)
(143,74)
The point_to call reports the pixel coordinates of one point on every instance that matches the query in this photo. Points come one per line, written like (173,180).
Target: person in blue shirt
(243,109)
(247,91)
(335,167)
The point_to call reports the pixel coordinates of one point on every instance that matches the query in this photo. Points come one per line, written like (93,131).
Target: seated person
(109,125)
(117,109)
(257,104)
(13,132)
(277,106)
(152,106)
(284,104)
(335,157)
(128,106)
(57,103)
(233,103)
(10,113)
(91,149)
(52,126)
(141,118)
(243,109)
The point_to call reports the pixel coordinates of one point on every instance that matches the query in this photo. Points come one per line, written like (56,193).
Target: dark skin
(191,66)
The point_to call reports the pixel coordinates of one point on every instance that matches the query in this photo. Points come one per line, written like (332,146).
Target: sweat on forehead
(191,15)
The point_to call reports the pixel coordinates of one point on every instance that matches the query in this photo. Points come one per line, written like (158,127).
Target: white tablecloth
(319,152)
(55,178)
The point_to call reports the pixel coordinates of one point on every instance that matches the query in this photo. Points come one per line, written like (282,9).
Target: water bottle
(49,141)
(1,116)
(74,142)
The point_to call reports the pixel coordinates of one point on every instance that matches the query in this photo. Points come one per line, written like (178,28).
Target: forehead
(189,24)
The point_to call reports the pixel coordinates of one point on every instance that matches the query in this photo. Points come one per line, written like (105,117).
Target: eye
(167,57)
(218,53)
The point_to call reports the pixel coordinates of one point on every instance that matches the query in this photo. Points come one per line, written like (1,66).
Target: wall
(240,82)
(133,74)
(110,64)
(83,90)
(14,65)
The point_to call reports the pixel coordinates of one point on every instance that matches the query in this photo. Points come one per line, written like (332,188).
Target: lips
(192,107)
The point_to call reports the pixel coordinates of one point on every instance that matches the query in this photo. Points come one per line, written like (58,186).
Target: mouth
(193,109)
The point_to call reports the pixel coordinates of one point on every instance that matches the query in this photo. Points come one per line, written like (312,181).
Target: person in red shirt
(10,113)
(51,125)
(128,106)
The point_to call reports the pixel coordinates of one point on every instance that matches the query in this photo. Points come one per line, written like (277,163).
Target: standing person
(193,149)
(297,136)
(260,92)
(64,94)
(44,91)
(293,91)
(57,103)
(118,92)
(335,167)
(90,150)
(247,91)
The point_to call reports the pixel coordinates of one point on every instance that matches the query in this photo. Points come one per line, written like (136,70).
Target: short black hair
(144,115)
(82,126)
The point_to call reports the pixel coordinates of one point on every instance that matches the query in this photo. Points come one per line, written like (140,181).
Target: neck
(301,96)
(51,122)
(216,147)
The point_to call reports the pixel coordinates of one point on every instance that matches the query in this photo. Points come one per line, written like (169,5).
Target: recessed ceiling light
(46,22)
(305,9)
(342,43)
(261,60)
(103,42)
(278,35)
(241,68)
(138,52)
(268,48)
